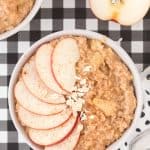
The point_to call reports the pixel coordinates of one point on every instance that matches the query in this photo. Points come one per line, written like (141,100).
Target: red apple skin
(61,92)
(52,70)
(64,91)
(39,74)
(47,115)
(58,125)
(67,135)
(114,20)
(114,17)
(55,81)
(68,132)
(49,148)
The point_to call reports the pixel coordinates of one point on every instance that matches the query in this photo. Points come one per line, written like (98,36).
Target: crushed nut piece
(75,100)
(83,82)
(115,1)
(75,104)
(87,68)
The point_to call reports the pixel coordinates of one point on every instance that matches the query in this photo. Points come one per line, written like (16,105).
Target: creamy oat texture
(110,103)
(12,12)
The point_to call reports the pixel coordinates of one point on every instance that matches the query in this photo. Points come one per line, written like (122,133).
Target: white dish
(25,21)
(129,133)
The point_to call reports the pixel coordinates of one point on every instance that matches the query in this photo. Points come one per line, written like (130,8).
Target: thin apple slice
(55,135)
(32,103)
(68,143)
(36,121)
(43,63)
(64,57)
(36,86)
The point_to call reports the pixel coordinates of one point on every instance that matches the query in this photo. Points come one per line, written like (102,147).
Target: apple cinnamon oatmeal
(12,12)
(110,102)
(77,94)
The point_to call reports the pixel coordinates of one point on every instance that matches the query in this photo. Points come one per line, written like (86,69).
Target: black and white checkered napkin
(58,15)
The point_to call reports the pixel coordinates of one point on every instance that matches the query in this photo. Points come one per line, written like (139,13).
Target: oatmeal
(111,102)
(12,12)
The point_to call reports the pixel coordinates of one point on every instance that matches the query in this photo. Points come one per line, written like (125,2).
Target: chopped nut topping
(87,68)
(75,104)
(115,1)
(75,100)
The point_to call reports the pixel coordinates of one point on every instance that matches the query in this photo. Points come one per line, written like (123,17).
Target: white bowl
(25,21)
(129,133)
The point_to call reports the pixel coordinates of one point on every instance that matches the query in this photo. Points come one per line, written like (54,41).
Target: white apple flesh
(55,135)
(33,104)
(36,121)
(70,142)
(126,12)
(43,63)
(64,57)
(36,86)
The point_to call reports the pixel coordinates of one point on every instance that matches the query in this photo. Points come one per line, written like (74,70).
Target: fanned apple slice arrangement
(125,12)
(41,106)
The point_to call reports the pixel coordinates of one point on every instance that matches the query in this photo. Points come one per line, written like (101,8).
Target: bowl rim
(25,21)
(129,133)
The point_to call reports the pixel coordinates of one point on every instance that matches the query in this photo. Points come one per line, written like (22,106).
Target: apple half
(126,12)
(36,121)
(68,143)
(36,86)
(63,60)
(32,103)
(43,63)
(55,135)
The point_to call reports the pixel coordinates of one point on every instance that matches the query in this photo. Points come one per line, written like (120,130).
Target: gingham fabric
(56,15)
